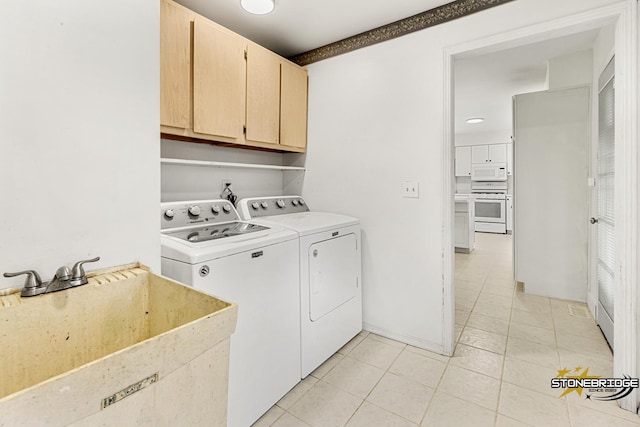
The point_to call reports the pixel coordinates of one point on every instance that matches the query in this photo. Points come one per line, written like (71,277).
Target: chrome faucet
(64,278)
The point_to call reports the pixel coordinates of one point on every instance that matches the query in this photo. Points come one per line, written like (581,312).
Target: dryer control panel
(256,207)
(183,214)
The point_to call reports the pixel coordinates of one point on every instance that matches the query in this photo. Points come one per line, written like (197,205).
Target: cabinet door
(461,230)
(463,161)
(509,159)
(498,153)
(263,95)
(218,81)
(480,154)
(293,106)
(175,65)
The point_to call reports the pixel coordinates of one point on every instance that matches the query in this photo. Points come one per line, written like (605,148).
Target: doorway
(623,15)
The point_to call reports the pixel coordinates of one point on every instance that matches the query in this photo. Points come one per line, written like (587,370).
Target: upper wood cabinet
(218,81)
(175,66)
(263,95)
(219,86)
(293,106)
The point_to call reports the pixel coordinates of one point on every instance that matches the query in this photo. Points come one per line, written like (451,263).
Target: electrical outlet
(411,189)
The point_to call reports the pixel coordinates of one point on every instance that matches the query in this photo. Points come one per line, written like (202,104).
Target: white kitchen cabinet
(464,236)
(509,159)
(463,161)
(493,153)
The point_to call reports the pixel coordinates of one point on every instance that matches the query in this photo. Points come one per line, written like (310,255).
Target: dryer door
(333,274)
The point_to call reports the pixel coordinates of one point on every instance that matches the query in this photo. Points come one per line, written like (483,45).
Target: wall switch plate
(411,189)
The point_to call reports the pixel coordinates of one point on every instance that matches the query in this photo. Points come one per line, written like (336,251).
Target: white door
(333,274)
(605,213)
(551,207)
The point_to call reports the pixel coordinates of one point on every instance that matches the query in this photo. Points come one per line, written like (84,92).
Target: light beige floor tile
(583,416)
(327,366)
(503,301)
(464,304)
(528,351)
(484,340)
(502,421)
(597,365)
(608,408)
(491,288)
(531,407)
(533,319)
(269,417)
(471,294)
(458,331)
(585,328)
(449,411)
(346,349)
(471,386)
(401,396)
(532,306)
(533,333)
(418,368)
(297,392)
(386,340)
(461,316)
(530,376)
(325,406)
(369,415)
(288,420)
(488,323)
(375,353)
(477,360)
(492,310)
(469,285)
(596,348)
(355,377)
(427,353)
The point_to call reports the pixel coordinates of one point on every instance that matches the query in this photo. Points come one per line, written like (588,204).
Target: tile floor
(509,346)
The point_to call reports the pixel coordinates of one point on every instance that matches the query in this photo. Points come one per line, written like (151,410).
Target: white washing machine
(330,272)
(204,245)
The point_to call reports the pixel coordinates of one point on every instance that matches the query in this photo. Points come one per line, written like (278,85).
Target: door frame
(625,17)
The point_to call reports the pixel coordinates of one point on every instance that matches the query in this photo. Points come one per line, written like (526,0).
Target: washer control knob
(294,202)
(280,203)
(255,206)
(169,213)
(215,209)
(226,208)
(194,210)
(301,202)
(264,205)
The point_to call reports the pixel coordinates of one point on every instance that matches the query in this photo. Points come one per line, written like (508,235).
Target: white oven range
(490,206)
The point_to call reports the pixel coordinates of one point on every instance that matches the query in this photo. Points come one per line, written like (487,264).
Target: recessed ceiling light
(258,7)
(475,120)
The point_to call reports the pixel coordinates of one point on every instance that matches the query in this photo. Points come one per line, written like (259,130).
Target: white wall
(197,182)
(79,113)
(375,120)
(482,138)
(571,70)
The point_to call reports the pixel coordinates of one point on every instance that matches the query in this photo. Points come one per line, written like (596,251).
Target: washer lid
(215,231)
(305,223)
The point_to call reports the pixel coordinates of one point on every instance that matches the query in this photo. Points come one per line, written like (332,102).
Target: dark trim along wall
(439,15)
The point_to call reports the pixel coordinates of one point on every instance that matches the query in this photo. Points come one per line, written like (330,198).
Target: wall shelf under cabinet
(207,163)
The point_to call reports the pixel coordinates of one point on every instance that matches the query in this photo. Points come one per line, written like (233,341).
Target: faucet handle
(78,276)
(32,284)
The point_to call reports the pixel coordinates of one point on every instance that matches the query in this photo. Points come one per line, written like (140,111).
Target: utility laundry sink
(128,348)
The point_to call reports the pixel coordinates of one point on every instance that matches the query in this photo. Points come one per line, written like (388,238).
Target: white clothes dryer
(330,272)
(204,245)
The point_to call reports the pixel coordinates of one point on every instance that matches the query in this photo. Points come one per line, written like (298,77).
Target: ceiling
(297,26)
(484,85)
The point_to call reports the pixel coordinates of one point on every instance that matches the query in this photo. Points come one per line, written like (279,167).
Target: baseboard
(416,342)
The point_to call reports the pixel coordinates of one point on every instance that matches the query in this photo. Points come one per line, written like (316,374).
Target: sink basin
(129,347)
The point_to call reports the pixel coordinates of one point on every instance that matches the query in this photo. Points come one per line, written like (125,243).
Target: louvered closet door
(606,194)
